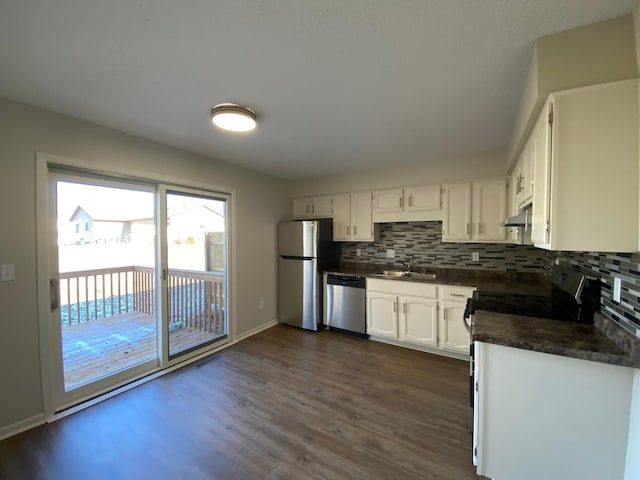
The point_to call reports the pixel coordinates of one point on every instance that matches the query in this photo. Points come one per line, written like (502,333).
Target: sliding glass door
(104,289)
(138,280)
(196,270)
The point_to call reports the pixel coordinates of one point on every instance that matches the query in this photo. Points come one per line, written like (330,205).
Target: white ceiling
(337,85)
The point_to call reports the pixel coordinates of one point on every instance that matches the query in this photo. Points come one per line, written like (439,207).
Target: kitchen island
(554,399)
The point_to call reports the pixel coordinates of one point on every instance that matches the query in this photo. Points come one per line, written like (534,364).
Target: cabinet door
(382,315)
(361,217)
(513,232)
(542,178)
(419,320)
(388,201)
(489,209)
(453,334)
(456,224)
(423,198)
(321,207)
(300,208)
(341,217)
(527,172)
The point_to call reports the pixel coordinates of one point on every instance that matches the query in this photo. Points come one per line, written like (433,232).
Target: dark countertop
(488,281)
(603,341)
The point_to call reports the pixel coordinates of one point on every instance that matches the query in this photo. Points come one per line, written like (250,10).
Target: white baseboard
(21,426)
(253,331)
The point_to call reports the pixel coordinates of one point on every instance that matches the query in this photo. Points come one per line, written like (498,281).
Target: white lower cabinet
(539,415)
(453,336)
(418,315)
(418,318)
(382,314)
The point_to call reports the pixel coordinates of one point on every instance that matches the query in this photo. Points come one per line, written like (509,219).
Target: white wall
(260,202)
(471,165)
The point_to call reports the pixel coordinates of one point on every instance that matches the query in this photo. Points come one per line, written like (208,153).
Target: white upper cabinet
(489,210)
(406,204)
(423,198)
(342,217)
(352,217)
(311,207)
(586,170)
(361,217)
(388,201)
(524,175)
(473,211)
(456,223)
(542,175)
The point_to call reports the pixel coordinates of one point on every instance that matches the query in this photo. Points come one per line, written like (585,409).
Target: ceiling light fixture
(234,118)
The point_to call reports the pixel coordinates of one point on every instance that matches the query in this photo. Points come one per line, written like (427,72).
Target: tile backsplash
(605,266)
(421,244)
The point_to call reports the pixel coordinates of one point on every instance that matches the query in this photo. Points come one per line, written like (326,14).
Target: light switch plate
(7,272)
(391,253)
(475,256)
(617,285)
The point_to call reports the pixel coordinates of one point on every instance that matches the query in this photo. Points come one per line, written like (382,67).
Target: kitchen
(263,201)
(398,237)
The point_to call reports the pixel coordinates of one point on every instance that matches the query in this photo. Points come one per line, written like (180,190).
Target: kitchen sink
(420,276)
(399,274)
(390,273)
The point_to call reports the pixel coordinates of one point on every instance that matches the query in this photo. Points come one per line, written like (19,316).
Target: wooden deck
(99,348)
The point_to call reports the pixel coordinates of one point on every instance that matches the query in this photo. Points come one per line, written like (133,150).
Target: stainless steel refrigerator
(305,250)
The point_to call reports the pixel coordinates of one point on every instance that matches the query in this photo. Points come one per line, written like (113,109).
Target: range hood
(521,220)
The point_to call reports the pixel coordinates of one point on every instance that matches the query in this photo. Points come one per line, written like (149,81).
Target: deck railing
(196,299)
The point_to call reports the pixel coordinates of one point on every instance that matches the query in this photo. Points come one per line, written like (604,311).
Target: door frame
(46,231)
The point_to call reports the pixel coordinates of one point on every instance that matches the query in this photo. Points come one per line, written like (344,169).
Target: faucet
(407,265)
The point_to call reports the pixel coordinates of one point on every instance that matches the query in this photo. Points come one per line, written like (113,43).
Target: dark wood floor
(283,404)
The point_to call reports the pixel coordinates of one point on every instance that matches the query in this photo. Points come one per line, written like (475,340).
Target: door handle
(53,294)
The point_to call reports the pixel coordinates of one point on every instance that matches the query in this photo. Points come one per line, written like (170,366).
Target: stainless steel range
(574,297)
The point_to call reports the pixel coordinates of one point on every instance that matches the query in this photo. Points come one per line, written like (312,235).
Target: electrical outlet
(391,253)
(358,252)
(617,285)
(475,256)
(7,272)
(557,261)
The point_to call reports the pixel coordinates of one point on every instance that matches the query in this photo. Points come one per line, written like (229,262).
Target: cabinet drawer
(400,287)
(457,293)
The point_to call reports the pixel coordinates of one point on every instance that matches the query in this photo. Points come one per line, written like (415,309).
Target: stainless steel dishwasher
(345,304)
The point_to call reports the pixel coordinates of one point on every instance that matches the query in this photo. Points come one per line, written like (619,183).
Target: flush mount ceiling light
(234,118)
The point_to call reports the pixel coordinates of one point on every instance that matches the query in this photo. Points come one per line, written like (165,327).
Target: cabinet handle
(313,209)
(394,307)
(307,209)
(411,200)
(402,202)
(479,228)
(444,315)
(468,228)
(456,295)
(348,230)
(355,230)
(404,308)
